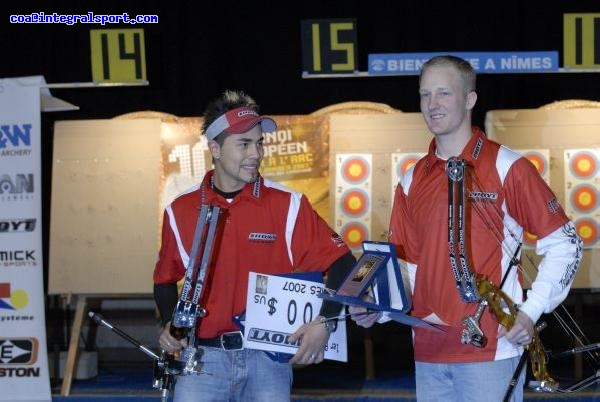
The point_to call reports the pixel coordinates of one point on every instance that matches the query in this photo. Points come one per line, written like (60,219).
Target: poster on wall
(582,185)
(295,155)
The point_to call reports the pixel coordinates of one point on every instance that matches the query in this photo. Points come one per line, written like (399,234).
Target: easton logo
(18,351)
(271,337)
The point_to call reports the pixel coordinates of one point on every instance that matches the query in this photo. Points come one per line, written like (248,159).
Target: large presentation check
(277,306)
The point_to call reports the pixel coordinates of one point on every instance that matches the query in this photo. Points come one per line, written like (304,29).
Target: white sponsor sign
(277,306)
(24,372)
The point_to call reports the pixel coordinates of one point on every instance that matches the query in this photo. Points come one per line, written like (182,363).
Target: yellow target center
(584,165)
(354,236)
(355,203)
(584,198)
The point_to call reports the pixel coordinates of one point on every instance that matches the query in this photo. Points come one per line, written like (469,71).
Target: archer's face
(445,105)
(239,160)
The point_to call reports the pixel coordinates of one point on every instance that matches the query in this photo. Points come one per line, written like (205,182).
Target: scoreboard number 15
(329,46)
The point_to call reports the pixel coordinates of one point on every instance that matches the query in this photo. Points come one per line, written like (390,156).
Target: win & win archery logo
(15,140)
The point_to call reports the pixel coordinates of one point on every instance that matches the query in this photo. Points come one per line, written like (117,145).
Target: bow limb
(537,354)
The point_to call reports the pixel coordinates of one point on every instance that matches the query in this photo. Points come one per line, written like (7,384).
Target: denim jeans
(465,382)
(241,375)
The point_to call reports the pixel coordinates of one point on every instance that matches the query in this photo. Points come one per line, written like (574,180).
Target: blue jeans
(241,375)
(463,382)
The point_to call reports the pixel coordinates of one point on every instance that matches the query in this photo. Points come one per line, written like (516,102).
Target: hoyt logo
(271,337)
(17,225)
(17,356)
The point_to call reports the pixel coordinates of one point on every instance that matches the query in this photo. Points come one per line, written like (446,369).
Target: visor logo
(243,113)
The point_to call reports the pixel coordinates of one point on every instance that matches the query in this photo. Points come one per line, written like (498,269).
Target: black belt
(226,341)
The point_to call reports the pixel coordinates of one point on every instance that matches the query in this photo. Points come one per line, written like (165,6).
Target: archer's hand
(168,343)
(363,316)
(521,332)
(313,338)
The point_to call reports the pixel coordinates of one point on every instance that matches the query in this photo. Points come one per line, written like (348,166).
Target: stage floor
(325,382)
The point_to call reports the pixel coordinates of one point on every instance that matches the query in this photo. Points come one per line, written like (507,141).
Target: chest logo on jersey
(262,237)
(337,240)
(483,196)
(477,148)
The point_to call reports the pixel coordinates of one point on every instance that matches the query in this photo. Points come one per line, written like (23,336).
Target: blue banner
(482,62)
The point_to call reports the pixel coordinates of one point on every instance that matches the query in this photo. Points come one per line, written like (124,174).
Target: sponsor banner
(482,62)
(297,150)
(23,353)
(296,156)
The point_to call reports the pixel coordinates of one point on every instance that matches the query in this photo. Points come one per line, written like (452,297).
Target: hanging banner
(23,354)
(296,155)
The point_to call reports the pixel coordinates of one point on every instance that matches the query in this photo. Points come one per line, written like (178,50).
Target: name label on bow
(276,306)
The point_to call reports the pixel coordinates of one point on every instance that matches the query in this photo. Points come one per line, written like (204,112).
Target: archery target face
(584,198)
(584,164)
(353,188)
(355,202)
(354,233)
(356,169)
(582,184)
(588,231)
(401,162)
(540,158)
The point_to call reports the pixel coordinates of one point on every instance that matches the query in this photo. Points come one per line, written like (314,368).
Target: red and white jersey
(266,228)
(504,196)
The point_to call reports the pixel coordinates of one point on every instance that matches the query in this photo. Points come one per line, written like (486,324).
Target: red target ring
(355,170)
(584,165)
(587,229)
(354,234)
(584,198)
(405,164)
(538,160)
(355,202)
